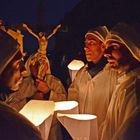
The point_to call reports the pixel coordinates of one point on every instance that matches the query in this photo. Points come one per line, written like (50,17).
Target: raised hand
(30,31)
(25,26)
(54,31)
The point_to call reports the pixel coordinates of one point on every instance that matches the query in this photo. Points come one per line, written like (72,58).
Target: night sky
(28,11)
(35,12)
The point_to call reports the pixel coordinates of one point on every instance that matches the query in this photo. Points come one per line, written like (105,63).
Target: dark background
(76,17)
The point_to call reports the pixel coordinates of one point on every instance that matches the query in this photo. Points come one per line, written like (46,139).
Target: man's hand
(41,86)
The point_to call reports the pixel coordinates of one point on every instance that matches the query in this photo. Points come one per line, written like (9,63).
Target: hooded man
(123,55)
(14,90)
(12,124)
(11,66)
(93,84)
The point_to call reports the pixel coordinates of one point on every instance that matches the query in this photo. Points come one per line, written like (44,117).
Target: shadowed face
(93,49)
(11,77)
(117,54)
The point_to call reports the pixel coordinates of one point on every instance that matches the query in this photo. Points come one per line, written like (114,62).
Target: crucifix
(39,63)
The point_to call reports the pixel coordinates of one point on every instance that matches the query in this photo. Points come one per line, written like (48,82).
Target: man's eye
(92,43)
(114,47)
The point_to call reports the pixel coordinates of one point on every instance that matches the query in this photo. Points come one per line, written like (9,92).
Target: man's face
(11,77)
(117,54)
(93,49)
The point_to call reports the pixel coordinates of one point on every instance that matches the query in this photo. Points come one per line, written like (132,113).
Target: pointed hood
(127,35)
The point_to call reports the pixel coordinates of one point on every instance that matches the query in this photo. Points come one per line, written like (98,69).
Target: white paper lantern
(80,126)
(40,113)
(67,107)
(74,66)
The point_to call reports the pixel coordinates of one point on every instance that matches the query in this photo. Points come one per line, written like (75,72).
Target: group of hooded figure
(107,86)
(110,91)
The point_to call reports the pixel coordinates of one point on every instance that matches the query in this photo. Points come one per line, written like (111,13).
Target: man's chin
(89,59)
(113,66)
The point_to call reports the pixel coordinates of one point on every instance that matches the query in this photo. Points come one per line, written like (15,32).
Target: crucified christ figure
(38,63)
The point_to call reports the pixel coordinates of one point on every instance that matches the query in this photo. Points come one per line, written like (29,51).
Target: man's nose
(87,47)
(107,53)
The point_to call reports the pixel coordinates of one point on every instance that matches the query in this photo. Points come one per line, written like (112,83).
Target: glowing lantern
(74,66)
(61,107)
(67,107)
(80,126)
(40,114)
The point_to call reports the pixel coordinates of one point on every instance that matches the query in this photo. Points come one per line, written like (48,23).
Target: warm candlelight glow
(80,126)
(78,116)
(75,64)
(38,111)
(65,105)
(74,67)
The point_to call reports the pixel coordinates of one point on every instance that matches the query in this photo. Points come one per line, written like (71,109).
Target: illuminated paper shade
(40,113)
(80,126)
(69,107)
(74,66)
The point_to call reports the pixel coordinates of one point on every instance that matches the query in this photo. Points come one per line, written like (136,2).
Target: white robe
(93,94)
(130,130)
(122,104)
